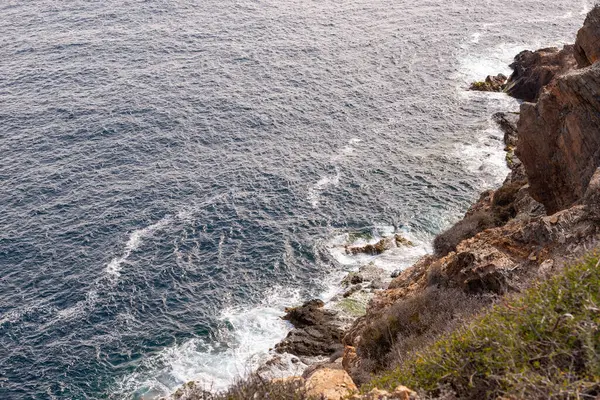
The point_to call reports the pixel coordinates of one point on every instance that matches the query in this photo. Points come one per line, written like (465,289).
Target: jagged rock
(371,249)
(379,247)
(315,332)
(309,314)
(587,45)
(350,359)
(491,84)
(352,290)
(366,273)
(559,138)
(402,241)
(330,384)
(508,124)
(532,70)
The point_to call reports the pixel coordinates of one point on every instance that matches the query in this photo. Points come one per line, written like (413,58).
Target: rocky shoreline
(546,214)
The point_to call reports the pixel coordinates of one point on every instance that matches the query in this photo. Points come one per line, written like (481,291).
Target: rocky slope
(546,213)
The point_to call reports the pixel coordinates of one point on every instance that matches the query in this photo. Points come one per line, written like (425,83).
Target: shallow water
(174,173)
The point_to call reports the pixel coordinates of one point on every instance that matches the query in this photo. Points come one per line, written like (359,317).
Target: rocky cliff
(559,136)
(546,214)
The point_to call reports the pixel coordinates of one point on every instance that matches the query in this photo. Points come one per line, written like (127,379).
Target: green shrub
(544,344)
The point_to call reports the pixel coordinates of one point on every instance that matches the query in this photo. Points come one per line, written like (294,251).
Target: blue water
(174,173)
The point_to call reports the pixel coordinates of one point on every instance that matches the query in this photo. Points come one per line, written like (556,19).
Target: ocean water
(174,173)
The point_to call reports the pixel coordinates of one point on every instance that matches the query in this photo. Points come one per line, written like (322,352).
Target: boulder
(316,331)
(309,314)
(381,246)
(587,45)
(532,70)
(371,249)
(559,138)
(491,84)
(330,384)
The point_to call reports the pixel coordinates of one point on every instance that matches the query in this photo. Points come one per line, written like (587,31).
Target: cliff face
(559,138)
(557,144)
(587,46)
(535,69)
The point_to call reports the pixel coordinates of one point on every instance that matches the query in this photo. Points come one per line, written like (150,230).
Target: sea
(174,173)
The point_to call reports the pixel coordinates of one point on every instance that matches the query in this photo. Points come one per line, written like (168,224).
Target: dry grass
(464,229)
(250,388)
(413,323)
(545,344)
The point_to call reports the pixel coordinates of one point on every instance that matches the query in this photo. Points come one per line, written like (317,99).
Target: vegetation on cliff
(542,344)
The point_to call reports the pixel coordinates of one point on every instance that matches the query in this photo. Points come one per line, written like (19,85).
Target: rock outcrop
(491,84)
(316,331)
(587,48)
(559,138)
(532,70)
(330,384)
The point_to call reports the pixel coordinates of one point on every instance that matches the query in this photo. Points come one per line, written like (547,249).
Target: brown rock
(535,69)
(402,241)
(404,393)
(350,359)
(587,45)
(330,384)
(491,84)
(371,249)
(316,331)
(559,139)
(508,124)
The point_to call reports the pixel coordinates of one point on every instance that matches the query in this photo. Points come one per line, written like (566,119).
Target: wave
(113,268)
(242,341)
(314,193)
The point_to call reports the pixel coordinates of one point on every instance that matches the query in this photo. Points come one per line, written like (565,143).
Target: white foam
(242,343)
(113,268)
(485,157)
(314,192)
(396,258)
(586,7)
(475,66)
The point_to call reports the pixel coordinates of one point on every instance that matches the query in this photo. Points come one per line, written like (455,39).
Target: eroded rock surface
(587,48)
(532,70)
(330,384)
(559,138)
(316,331)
